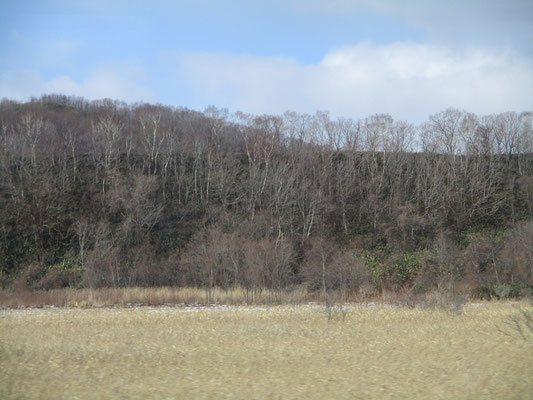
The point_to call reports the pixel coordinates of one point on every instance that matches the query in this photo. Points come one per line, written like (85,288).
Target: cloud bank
(125,83)
(408,80)
(496,23)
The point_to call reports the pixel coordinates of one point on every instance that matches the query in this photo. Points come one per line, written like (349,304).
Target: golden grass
(152,296)
(261,353)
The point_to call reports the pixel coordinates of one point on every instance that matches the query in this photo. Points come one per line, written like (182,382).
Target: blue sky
(352,58)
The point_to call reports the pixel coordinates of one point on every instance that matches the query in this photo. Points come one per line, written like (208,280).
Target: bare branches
(245,200)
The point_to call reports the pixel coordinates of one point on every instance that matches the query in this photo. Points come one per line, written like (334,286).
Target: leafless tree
(106,133)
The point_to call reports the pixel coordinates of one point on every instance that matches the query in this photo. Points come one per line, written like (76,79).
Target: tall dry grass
(290,352)
(150,296)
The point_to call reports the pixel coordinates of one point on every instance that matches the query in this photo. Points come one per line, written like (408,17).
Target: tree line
(103,193)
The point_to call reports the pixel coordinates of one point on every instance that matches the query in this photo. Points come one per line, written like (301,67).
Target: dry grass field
(375,352)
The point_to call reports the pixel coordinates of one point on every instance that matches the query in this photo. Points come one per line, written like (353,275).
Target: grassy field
(287,352)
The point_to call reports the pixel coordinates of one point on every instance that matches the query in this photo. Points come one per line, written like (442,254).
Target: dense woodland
(107,194)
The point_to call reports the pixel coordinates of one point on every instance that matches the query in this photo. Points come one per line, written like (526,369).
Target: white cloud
(122,83)
(407,80)
(18,85)
(503,23)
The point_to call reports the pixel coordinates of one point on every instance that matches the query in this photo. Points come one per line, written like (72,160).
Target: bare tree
(318,266)
(442,132)
(32,128)
(106,133)
(152,135)
(84,231)
(507,133)
(136,201)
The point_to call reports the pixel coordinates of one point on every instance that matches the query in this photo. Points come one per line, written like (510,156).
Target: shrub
(482,293)
(501,291)
(104,268)
(406,267)
(367,291)
(29,278)
(60,278)
(374,264)
(516,257)
(445,299)
(334,308)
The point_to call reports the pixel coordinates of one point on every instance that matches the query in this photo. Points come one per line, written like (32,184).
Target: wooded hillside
(104,193)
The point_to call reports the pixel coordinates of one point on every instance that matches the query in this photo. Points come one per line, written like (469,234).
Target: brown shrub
(103,268)
(516,256)
(59,279)
(327,268)
(479,260)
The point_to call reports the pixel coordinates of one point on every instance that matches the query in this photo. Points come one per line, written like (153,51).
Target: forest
(102,193)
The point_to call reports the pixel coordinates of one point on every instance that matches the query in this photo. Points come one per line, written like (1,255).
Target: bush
(501,291)
(29,278)
(396,271)
(334,309)
(374,264)
(447,300)
(60,278)
(407,266)
(482,293)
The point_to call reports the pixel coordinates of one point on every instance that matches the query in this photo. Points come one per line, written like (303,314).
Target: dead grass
(151,296)
(268,352)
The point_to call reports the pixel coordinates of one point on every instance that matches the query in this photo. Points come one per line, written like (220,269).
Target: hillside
(107,194)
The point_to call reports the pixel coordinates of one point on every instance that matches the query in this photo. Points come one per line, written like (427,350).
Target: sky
(353,58)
